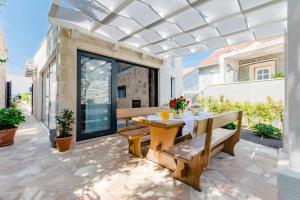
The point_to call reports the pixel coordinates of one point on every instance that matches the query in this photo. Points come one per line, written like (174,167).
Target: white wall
(208,76)
(191,81)
(252,91)
(45,54)
(20,84)
(171,68)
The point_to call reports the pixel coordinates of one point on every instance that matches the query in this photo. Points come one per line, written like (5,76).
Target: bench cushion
(189,148)
(135,132)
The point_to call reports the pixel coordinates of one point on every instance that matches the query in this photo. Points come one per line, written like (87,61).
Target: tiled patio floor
(102,169)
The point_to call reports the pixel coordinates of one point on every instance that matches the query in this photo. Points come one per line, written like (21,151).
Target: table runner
(188,119)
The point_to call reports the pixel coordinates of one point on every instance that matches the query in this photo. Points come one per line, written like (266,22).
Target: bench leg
(190,172)
(229,145)
(135,146)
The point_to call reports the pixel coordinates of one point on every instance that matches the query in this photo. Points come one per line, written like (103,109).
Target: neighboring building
(19,84)
(191,79)
(3,56)
(93,77)
(257,61)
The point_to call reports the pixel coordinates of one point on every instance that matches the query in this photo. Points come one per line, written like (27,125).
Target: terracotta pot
(63,144)
(7,137)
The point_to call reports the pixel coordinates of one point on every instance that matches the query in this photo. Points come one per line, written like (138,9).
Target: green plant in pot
(64,123)
(10,118)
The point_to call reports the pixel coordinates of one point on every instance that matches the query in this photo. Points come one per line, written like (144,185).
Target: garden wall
(251,91)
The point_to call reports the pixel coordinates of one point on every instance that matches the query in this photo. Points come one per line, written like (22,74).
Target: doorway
(96,96)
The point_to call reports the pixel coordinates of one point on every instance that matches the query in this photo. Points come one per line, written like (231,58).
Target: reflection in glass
(52,95)
(95,95)
(45,97)
(140,83)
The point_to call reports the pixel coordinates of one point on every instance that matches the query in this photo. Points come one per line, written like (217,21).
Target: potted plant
(10,118)
(64,123)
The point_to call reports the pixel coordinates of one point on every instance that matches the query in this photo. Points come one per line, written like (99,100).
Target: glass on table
(193,111)
(165,114)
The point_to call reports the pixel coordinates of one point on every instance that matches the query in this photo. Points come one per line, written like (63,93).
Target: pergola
(173,27)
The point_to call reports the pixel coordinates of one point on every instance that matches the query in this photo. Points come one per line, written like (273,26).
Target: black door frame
(84,136)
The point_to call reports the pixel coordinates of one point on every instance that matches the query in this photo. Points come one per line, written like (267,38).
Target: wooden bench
(137,135)
(192,156)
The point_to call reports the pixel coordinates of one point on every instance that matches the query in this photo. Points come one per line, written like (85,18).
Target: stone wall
(136,80)
(69,43)
(61,45)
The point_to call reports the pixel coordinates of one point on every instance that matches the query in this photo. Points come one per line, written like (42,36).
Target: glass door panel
(45,97)
(52,95)
(96,107)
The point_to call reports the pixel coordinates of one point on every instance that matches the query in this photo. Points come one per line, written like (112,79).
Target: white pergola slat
(174,27)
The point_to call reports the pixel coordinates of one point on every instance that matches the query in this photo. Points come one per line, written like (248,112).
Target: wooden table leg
(162,138)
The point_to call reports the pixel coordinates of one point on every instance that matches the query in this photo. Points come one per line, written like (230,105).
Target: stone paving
(102,169)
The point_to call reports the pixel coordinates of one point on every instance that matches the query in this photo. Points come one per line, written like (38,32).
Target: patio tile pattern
(102,169)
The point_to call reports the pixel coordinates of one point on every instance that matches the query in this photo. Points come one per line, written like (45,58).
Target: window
(261,70)
(122,91)
(262,73)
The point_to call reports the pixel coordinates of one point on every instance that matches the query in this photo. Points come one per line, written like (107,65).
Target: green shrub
(278,75)
(26,97)
(245,79)
(15,103)
(231,126)
(268,112)
(266,130)
(64,122)
(10,118)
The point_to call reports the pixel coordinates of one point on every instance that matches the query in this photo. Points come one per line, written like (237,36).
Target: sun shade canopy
(173,27)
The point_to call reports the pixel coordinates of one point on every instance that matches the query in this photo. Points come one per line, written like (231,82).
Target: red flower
(181,97)
(175,99)
(172,104)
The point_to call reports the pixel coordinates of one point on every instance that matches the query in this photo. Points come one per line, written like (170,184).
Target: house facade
(93,78)
(239,68)
(3,56)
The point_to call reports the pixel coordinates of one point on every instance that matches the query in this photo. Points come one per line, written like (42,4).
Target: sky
(25,23)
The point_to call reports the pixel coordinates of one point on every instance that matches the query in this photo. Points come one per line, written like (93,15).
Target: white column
(172,67)
(165,82)
(178,74)
(288,177)
(293,83)
(222,70)
(285,114)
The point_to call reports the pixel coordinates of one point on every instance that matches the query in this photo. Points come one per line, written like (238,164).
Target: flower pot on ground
(64,123)
(10,118)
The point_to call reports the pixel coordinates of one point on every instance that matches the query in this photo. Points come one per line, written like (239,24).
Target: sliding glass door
(49,95)
(96,108)
(45,97)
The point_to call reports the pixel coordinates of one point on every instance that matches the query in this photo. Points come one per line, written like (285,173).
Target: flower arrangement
(179,104)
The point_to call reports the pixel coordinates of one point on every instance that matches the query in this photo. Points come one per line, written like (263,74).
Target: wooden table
(163,135)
